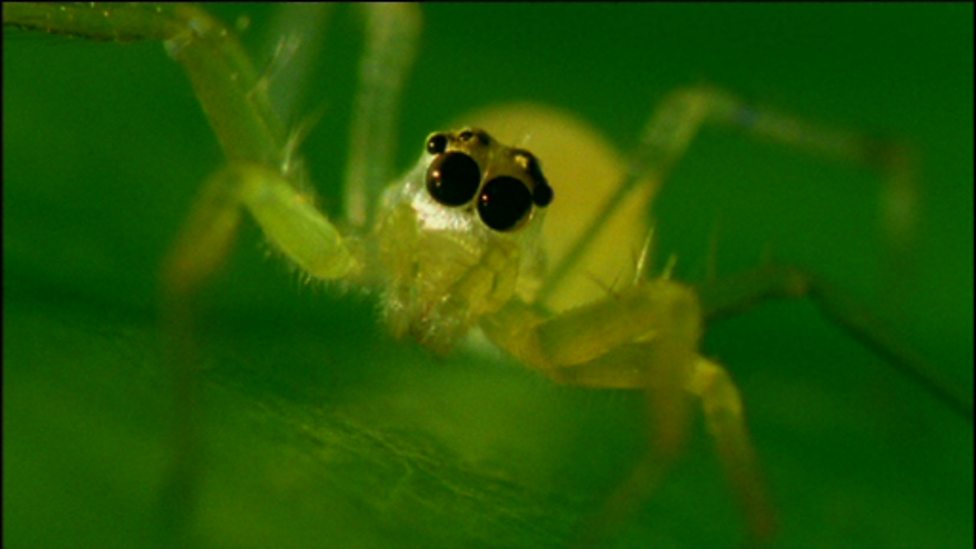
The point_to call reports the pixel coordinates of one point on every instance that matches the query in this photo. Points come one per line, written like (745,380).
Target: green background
(322,430)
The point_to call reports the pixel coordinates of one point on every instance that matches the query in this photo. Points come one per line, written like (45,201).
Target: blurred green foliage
(321,430)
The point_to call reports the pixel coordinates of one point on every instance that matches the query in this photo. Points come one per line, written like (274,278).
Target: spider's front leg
(295,227)
(644,337)
(288,217)
(262,176)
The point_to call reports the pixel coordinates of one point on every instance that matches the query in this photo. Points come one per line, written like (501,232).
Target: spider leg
(645,337)
(665,369)
(392,32)
(676,121)
(669,372)
(293,225)
(667,135)
(737,294)
(722,406)
(261,177)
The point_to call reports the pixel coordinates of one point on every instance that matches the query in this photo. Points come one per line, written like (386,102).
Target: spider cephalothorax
(458,233)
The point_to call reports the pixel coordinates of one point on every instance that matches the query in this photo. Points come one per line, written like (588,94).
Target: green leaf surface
(321,430)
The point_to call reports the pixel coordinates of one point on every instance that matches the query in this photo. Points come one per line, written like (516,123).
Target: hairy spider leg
(667,135)
(285,211)
(262,176)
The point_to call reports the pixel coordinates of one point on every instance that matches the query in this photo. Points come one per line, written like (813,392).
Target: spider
(436,330)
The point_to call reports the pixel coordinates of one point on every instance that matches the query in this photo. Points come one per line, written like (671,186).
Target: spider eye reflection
(504,202)
(452,179)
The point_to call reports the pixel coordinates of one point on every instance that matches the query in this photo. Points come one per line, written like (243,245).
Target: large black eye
(452,179)
(504,201)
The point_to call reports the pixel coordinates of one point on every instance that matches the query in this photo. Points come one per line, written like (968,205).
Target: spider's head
(459,235)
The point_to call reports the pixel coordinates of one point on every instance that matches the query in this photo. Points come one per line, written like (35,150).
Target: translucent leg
(734,295)
(296,33)
(676,121)
(261,177)
(202,248)
(662,369)
(644,337)
(724,417)
(669,372)
(295,227)
(392,31)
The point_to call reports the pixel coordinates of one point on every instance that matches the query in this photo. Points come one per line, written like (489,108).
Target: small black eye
(452,179)
(437,143)
(542,195)
(504,202)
